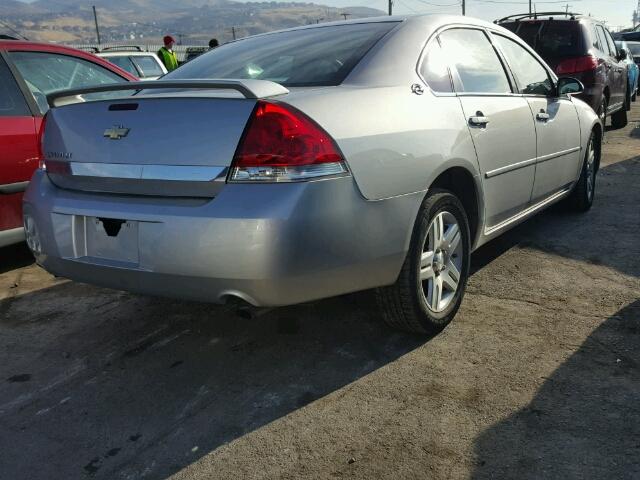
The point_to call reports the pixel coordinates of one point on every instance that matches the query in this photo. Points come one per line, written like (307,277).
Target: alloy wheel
(441,261)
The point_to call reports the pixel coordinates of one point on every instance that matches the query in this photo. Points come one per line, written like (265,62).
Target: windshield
(306,57)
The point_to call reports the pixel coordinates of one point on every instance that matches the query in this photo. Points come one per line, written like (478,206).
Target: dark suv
(581,47)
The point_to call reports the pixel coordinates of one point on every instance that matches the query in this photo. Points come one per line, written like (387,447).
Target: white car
(144,65)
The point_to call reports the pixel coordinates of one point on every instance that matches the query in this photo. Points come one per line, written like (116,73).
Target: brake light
(576,65)
(282,144)
(41,164)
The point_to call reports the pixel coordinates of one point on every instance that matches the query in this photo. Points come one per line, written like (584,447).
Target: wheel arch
(465,186)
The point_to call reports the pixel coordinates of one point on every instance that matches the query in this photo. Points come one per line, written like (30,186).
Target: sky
(617,13)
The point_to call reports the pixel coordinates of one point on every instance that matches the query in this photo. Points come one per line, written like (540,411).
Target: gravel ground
(538,376)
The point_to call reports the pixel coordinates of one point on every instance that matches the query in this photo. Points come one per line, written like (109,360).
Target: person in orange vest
(167,55)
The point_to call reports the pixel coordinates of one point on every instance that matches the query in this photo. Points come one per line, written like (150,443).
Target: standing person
(167,55)
(213,43)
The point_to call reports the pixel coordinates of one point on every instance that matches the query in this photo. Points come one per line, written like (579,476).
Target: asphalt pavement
(537,377)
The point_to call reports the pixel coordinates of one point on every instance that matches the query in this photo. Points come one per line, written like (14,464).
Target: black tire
(627,98)
(581,198)
(404,304)
(619,119)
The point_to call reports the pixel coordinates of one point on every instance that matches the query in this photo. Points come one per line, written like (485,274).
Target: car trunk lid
(172,143)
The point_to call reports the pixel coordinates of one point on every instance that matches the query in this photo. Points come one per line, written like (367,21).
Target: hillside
(192,21)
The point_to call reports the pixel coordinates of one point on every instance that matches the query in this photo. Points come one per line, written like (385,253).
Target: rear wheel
(581,198)
(432,281)
(602,111)
(619,119)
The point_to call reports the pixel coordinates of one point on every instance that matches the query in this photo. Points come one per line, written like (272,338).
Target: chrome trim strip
(526,212)
(509,168)
(525,163)
(9,237)
(180,173)
(551,156)
(17,187)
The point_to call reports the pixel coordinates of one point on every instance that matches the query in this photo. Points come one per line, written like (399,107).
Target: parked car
(634,48)
(140,64)
(333,158)
(28,72)
(632,67)
(193,52)
(581,47)
(629,36)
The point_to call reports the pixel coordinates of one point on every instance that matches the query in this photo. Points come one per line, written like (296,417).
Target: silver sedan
(312,162)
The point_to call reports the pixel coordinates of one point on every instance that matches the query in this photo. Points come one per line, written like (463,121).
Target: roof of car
(125,53)
(547,16)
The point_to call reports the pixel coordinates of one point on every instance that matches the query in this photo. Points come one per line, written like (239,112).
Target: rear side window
(124,63)
(475,61)
(148,65)
(533,78)
(12,103)
(306,57)
(552,38)
(434,69)
(603,41)
(612,46)
(46,72)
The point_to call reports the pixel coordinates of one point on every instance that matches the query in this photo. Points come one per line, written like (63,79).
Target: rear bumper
(271,244)
(11,236)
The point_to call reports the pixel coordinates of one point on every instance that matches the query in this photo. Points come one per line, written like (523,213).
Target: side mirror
(568,85)
(622,54)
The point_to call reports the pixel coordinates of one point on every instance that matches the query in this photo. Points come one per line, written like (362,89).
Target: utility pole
(95,19)
(464,10)
(391,7)
(530,7)
(233,32)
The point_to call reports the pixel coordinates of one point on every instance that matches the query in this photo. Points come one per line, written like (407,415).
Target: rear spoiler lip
(251,89)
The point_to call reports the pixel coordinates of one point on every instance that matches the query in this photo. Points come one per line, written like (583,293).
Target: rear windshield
(550,38)
(306,57)
(148,65)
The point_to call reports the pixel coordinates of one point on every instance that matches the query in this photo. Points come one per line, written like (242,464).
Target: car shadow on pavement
(112,385)
(107,384)
(584,422)
(15,256)
(613,220)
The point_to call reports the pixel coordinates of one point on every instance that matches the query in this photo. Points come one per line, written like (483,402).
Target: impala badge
(116,132)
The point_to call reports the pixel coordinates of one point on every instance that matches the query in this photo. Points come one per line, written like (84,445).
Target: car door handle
(543,116)
(478,120)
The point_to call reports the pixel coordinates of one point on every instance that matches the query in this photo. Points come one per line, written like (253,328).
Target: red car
(28,72)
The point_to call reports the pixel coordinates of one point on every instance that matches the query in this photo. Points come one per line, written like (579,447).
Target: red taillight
(282,144)
(41,164)
(576,65)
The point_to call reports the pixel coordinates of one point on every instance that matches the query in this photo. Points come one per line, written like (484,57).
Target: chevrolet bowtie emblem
(116,132)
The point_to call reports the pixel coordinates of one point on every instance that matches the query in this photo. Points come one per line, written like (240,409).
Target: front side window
(314,56)
(12,103)
(45,72)
(533,78)
(476,62)
(148,65)
(434,69)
